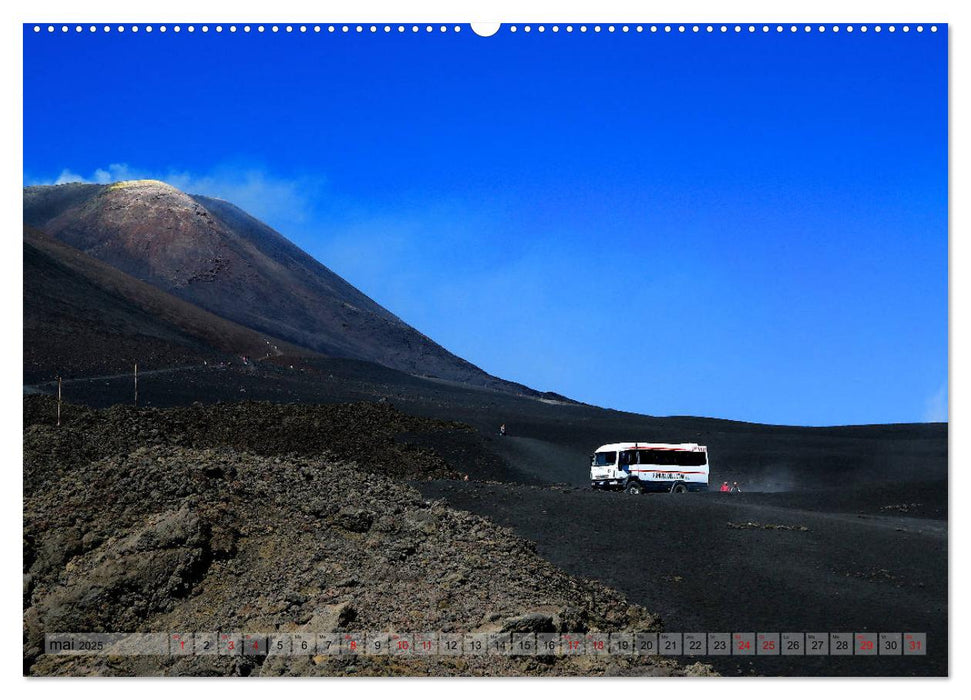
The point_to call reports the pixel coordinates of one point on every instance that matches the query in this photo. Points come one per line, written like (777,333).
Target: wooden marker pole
(136,384)
(58,402)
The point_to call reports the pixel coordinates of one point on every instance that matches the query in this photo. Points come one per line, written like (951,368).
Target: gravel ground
(363,432)
(163,536)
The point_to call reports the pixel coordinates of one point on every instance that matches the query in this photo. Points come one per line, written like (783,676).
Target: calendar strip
(418,644)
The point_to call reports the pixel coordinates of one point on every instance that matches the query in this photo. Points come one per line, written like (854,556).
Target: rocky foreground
(126,530)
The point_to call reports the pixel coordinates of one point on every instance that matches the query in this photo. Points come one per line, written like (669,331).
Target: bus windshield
(604,459)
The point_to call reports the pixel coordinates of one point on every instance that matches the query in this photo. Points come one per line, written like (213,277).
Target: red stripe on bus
(666,449)
(666,471)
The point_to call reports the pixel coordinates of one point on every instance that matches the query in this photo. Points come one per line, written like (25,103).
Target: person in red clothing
(724,488)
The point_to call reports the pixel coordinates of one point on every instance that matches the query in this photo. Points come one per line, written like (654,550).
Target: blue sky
(747,226)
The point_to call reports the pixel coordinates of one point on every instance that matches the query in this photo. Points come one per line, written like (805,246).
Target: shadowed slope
(82,316)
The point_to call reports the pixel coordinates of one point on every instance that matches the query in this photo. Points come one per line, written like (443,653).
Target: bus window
(628,457)
(659,458)
(690,459)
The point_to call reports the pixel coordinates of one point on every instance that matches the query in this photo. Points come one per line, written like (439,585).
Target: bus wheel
(679,488)
(634,487)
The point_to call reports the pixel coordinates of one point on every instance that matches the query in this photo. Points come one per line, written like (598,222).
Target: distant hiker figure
(502,429)
(724,488)
(735,488)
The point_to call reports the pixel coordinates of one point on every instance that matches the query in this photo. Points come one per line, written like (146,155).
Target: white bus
(636,467)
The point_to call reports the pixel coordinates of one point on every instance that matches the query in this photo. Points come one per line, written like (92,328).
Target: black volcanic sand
(550,442)
(720,563)
(885,571)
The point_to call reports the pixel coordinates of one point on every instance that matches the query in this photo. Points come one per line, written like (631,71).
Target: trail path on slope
(37,388)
